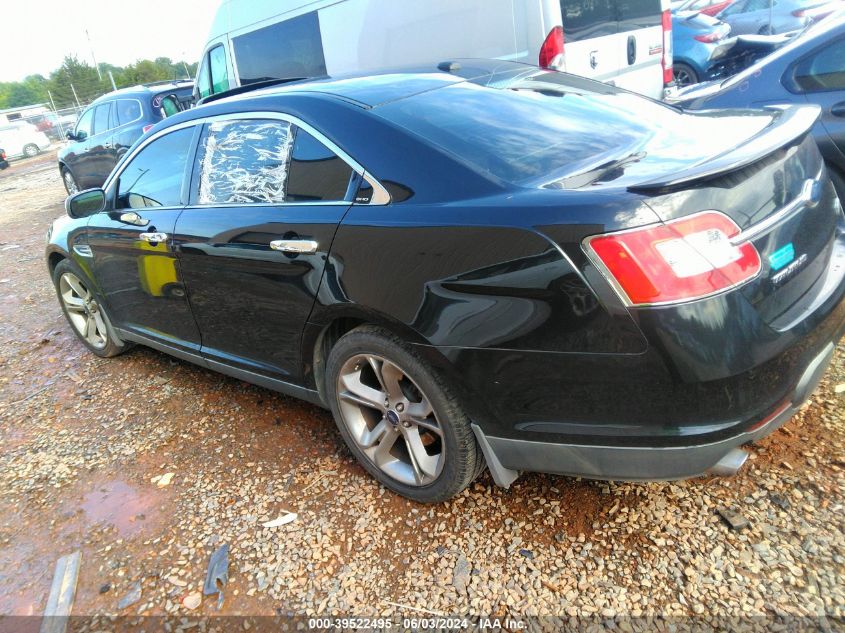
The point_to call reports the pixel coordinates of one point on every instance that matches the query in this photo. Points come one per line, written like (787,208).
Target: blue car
(810,68)
(698,43)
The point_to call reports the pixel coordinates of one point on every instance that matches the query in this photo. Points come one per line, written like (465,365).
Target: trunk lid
(773,186)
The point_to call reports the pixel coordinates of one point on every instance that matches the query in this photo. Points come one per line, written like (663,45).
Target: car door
(640,46)
(78,160)
(127,117)
(267,200)
(100,146)
(590,31)
(133,260)
(820,76)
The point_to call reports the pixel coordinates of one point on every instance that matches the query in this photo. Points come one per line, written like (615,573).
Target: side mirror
(70,135)
(85,203)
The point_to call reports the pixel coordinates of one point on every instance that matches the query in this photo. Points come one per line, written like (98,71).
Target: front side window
(84,126)
(204,80)
(127,110)
(101,118)
(244,161)
(289,49)
(823,70)
(153,178)
(217,67)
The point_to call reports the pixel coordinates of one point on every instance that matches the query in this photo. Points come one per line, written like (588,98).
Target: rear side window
(638,14)
(154,177)
(583,19)
(288,49)
(101,118)
(127,110)
(316,172)
(823,70)
(244,162)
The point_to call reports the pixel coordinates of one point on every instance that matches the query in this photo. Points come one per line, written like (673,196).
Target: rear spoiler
(790,122)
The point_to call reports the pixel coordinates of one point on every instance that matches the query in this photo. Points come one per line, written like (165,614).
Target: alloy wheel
(83,312)
(683,78)
(70,183)
(391,420)
(30,151)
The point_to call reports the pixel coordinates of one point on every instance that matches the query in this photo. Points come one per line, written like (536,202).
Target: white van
(22,139)
(623,42)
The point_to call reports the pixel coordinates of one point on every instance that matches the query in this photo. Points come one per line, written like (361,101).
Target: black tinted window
(316,172)
(638,14)
(823,70)
(244,162)
(583,19)
(128,110)
(101,118)
(292,48)
(154,177)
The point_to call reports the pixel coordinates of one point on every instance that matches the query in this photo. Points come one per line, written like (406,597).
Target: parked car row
(22,140)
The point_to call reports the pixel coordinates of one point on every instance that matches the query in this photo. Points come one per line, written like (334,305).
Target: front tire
(31,150)
(86,316)
(399,418)
(70,182)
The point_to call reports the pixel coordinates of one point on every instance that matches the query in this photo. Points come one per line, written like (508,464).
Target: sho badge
(790,270)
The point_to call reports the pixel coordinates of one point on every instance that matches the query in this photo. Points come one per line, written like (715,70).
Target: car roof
(373,89)
(147,89)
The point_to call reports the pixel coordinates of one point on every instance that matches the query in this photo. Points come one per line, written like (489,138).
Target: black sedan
(809,69)
(482,263)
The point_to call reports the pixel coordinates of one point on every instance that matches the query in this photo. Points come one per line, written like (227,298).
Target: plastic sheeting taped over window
(244,162)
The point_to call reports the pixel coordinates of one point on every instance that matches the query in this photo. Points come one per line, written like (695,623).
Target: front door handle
(153,238)
(133,218)
(838,109)
(294,246)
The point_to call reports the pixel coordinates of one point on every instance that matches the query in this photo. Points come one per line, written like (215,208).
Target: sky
(37,35)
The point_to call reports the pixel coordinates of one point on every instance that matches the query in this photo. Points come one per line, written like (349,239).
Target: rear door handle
(838,109)
(153,238)
(294,246)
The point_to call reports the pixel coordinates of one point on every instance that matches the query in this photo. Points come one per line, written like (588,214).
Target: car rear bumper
(507,456)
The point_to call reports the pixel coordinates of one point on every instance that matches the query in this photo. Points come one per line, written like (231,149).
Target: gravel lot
(83,438)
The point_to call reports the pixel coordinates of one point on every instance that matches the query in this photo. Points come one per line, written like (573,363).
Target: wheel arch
(319,339)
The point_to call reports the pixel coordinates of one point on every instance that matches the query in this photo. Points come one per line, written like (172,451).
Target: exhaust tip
(729,464)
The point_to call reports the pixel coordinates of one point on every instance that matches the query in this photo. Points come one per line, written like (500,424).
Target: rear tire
(685,75)
(31,150)
(399,417)
(85,315)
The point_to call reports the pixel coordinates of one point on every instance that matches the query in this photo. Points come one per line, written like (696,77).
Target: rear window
(639,14)
(545,124)
(583,19)
(288,49)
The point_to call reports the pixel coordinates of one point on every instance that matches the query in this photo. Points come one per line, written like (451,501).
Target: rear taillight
(709,38)
(2,155)
(551,54)
(681,260)
(799,13)
(666,21)
(147,128)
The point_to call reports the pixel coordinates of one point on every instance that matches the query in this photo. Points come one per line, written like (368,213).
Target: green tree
(76,75)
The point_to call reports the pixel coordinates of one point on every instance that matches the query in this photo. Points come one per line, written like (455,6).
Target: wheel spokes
(356,391)
(77,287)
(388,376)
(73,303)
(382,455)
(424,465)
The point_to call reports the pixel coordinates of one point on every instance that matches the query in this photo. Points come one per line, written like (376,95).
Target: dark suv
(111,124)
